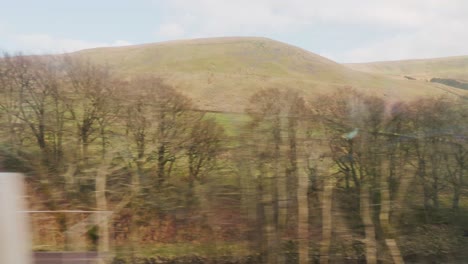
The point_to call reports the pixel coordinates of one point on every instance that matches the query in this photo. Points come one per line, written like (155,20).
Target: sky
(342,30)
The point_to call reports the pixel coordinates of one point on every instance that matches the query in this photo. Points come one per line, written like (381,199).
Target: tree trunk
(384,214)
(101,204)
(369,229)
(394,251)
(303,216)
(161,164)
(275,227)
(456,197)
(291,175)
(384,217)
(84,151)
(260,222)
(270,229)
(134,235)
(327,200)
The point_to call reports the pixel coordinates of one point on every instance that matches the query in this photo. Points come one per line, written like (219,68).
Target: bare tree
(203,148)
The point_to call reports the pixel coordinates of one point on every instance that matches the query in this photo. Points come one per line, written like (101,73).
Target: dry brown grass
(222,73)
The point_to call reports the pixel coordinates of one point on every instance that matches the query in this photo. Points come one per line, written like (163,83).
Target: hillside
(448,67)
(138,173)
(222,73)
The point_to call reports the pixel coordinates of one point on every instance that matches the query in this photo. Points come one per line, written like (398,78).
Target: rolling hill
(222,73)
(448,67)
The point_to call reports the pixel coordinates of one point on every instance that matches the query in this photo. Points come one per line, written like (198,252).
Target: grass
(186,249)
(172,250)
(223,73)
(449,67)
(231,122)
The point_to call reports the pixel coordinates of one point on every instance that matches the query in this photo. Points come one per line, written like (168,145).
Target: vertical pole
(15,243)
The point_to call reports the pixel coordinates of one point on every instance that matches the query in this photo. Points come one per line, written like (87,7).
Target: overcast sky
(342,30)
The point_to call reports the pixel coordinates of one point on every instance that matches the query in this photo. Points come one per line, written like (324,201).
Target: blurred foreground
(134,170)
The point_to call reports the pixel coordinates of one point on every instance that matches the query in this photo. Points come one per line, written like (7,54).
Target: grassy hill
(449,67)
(222,73)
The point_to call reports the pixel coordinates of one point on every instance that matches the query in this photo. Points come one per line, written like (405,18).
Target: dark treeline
(451,82)
(342,177)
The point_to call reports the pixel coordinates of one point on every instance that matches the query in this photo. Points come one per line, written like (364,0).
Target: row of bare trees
(74,126)
(381,159)
(326,179)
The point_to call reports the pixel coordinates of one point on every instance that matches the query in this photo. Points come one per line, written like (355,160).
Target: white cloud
(420,28)
(170,31)
(215,16)
(436,40)
(43,43)
(222,17)
(389,29)
(120,42)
